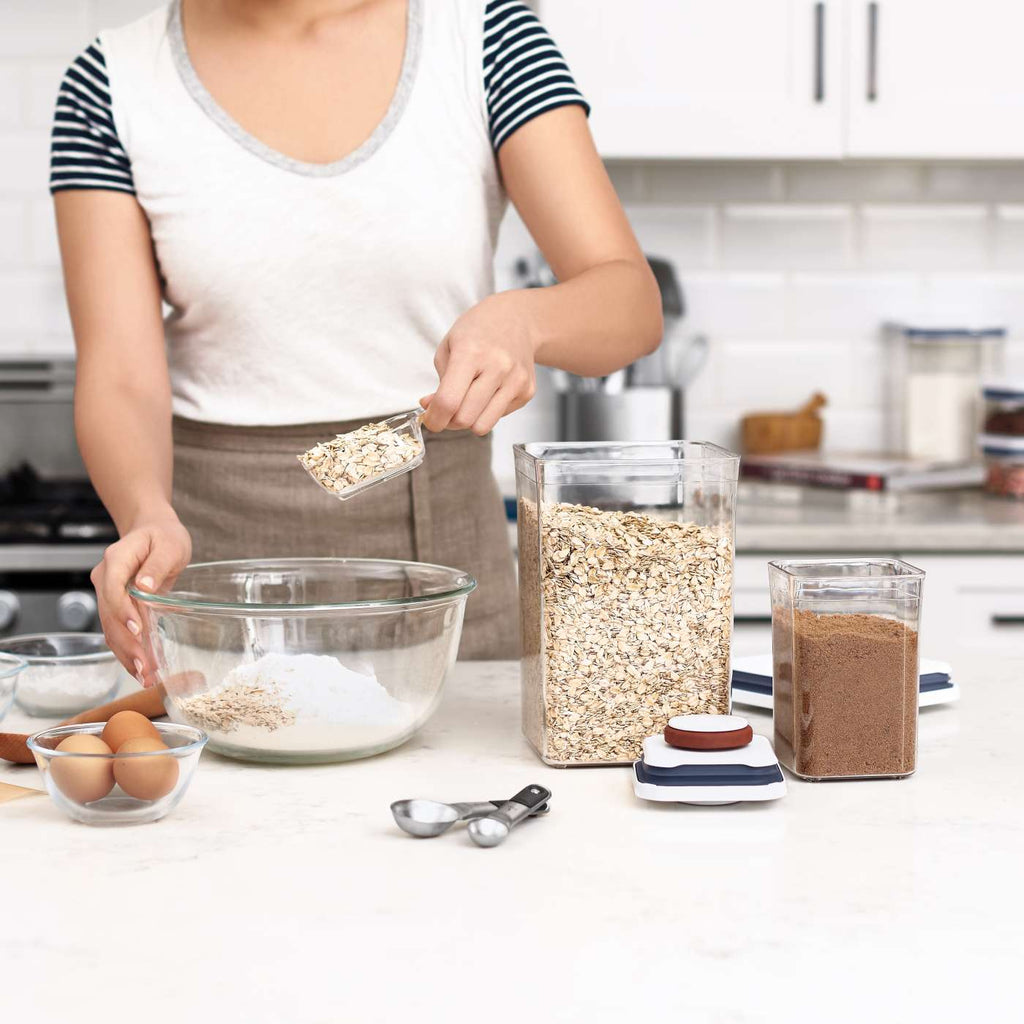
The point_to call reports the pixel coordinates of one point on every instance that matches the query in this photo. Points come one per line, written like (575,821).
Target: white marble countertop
(287,895)
(954,521)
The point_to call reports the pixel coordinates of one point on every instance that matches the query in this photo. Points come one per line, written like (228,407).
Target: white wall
(789,268)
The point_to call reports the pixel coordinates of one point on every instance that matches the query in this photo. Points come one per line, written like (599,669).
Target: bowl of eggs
(126,771)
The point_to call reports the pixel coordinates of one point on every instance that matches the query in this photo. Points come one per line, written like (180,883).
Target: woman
(313,189)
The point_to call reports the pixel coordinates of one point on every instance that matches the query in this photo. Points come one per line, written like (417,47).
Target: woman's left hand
(485,365)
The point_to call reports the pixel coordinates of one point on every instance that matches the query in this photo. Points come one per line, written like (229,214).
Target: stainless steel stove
(53,527)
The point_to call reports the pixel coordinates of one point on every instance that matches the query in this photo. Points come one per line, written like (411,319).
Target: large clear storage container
(935,388)
(625,582)
(845,666)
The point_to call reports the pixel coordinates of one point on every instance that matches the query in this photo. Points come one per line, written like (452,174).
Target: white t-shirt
(299,292)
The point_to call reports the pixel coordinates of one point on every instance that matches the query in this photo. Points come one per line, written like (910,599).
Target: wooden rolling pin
(150,702)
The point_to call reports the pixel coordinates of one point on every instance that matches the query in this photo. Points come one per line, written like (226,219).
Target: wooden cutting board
(9,792)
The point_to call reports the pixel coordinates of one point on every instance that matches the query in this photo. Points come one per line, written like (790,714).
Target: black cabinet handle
(819,52)
(872,92)
(1004,621)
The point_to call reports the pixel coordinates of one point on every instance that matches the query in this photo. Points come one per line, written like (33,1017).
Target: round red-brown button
(708,732)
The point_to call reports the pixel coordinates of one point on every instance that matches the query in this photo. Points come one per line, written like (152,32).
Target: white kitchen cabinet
(757,79)
(706,78)
(935,79)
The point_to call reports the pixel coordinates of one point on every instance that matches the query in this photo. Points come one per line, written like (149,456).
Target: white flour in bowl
(298,702)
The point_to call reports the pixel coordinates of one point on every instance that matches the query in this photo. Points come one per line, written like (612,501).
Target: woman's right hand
(147,555)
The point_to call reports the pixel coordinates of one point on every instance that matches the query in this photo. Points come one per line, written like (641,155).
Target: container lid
(952,333)
(1001,444)
(1003,389)
(708,732)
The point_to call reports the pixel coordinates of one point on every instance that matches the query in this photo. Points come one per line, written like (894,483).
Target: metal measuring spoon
(428,818)
(492,829)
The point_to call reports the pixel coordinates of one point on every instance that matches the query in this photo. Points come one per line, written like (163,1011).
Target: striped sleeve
(85,152)
(525,75)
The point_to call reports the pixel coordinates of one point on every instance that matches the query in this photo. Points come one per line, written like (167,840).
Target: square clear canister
(845,666)
(625,583)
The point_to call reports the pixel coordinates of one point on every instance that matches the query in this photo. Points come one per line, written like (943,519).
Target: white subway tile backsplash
(11,95)
(844,182)
(735,305)
(683,234)
(1009,237)
(721,428)
(33,303)
(976,300)
(26,157)
(32,28)
(911,237)
(41,84)
(848,431)
(629,179)
(851,305)
(786,236)
(672,182)
(780,376)
(973,182)
(13,231)
(43,249)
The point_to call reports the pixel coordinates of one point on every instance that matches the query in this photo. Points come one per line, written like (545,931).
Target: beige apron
(241,493)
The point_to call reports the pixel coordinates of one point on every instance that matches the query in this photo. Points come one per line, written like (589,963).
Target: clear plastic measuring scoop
(351,463)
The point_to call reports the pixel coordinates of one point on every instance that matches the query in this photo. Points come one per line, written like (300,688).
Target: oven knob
(76,610)
(9,608)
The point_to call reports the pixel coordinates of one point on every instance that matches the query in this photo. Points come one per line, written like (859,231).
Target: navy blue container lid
(953,333)
(1003,390)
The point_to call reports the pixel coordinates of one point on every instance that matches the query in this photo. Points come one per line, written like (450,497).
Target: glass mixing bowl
(303,660)
(65,672)
(10,667)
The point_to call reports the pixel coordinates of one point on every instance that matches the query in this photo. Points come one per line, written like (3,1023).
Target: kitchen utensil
(149,702)
(426,819)
(9,792)
(184,747)
(769,433)
(65,672)
(386,631)
(493,829)
(752,682)
(10,668)
(408,424)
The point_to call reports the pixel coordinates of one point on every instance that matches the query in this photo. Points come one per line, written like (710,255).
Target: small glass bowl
(66,672)
(185,745)
(10,667)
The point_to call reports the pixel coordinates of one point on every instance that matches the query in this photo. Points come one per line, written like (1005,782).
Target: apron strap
(422,519)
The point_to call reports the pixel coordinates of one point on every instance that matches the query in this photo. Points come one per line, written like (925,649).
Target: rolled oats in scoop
(366,456)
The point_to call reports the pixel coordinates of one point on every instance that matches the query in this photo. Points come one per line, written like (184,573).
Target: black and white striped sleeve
(525,75)
(85,151)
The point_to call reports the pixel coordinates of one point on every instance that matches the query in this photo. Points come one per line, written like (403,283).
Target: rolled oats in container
(626,565)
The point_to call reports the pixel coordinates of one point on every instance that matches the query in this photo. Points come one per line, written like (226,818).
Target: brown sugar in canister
(845,695)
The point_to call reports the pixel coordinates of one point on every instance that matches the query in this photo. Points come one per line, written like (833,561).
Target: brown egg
(145,778)
(128,725)
(83,779)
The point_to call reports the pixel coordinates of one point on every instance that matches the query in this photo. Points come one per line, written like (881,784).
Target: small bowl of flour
(65,673)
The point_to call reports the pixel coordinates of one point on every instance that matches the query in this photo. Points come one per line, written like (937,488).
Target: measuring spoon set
(489,822)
